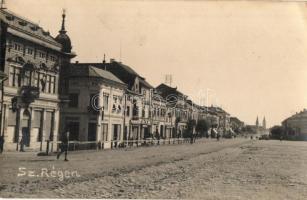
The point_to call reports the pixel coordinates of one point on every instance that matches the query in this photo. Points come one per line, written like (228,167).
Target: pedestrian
(218,136)
(1,143)
(22,144)
(64,145)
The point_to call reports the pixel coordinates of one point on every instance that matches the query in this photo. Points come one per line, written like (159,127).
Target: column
(43,131)
(18,126)
(56,125)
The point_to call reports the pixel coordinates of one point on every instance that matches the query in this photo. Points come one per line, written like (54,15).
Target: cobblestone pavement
(229,169)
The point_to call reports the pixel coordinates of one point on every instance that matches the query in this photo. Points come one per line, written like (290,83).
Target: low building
(296,126)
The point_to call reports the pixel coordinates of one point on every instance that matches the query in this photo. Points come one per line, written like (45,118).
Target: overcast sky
(250,55)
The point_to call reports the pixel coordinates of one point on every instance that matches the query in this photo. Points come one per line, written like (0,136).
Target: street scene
(229,169)
(153,100)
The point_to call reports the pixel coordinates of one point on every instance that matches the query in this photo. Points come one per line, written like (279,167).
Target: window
(113,108)
(52,58)
(73,128)
(30,51)
(36,79)
(17,47)
(52,84)
(128,111)
(41,54)
(115,99)
(14,77)
(73,100)
(105,102)
(27,78)
(104,131)
(47,89)
(143,112)
(42,82)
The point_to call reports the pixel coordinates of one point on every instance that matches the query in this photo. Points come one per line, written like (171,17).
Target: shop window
(73,100)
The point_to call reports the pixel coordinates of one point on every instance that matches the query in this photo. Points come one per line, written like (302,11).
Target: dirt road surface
(229,169)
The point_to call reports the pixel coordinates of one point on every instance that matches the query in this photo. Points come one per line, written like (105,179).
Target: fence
(87,145)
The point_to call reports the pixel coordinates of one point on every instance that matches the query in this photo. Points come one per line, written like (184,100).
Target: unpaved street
(229,169)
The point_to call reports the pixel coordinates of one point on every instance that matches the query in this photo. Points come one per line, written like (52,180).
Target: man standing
(64,145)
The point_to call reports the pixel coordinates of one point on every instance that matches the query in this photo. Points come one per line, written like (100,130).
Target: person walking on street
(1,143)
(218,136)
(64,145)
(22,143)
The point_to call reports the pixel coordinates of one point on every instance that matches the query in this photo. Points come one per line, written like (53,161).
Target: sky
(247,57)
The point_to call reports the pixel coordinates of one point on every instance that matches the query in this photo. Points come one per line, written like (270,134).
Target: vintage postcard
(152,99)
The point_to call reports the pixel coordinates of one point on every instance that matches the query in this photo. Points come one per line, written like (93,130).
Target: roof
(126,68)
(91,71)
(23,27)
(123,72)
(298,115)
(166,90)
(145,83)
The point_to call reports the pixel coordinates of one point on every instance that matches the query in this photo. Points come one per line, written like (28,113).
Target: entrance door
(91,132)
(161,130)
(115,134)
(25,130)
(146,133)
(26,136)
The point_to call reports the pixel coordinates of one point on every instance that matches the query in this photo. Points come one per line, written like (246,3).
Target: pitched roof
(123,72)
(166,90)
(91,71)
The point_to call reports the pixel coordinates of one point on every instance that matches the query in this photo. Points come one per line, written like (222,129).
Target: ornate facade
(32,60)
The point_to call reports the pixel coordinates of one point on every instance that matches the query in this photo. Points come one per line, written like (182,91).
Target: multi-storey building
(33,60)
(137,101)
(160,117)
(96,107)
(176,103)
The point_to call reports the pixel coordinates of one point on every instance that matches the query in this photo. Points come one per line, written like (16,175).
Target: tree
(189,130)
(202,127)
(276,132)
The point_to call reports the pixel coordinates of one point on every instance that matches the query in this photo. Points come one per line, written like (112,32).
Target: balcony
(29,93)
(135,117)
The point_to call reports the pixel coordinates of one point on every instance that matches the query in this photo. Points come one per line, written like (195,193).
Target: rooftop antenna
(2,5)
(120,50)
(168,79)
(104,62)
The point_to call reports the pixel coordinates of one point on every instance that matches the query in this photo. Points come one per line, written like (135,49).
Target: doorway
(92,128)
(25,130)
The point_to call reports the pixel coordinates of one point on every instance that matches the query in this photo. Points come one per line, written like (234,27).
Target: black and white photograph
(144,99)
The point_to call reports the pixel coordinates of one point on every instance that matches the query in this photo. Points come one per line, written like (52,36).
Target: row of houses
(44,94)
(295,126)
